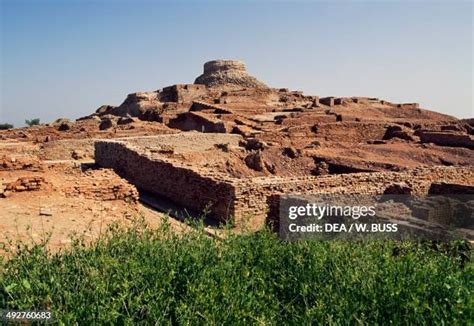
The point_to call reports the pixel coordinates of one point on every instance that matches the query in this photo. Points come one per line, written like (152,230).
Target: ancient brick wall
(252,201)
(350,131)
(446,138)
(257,199)
(102,184)
(182,93)
(172,180)
(197,121)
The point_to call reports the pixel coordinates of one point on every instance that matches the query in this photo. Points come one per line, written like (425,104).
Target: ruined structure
(227,73)
(231,145)
(250,200)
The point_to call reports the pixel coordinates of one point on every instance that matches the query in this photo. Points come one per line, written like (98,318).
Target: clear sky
(66,58)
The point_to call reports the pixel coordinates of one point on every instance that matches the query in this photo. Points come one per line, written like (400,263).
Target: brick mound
(20,162)
(103,185)
(285,133)
(225,73)
(21,184)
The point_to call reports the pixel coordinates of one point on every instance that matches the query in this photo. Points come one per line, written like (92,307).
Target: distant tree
(5,126)
(33,122)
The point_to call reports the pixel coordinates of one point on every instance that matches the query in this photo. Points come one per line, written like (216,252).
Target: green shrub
(32,122)
(5,126)
(157,277)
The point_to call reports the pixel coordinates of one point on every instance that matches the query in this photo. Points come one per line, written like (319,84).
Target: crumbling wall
(446,138)
(257,199)
(356,132)
(196,121)
(171,180)
(20,162)
(102,184)
(182,93)
(21,184)
(251,201)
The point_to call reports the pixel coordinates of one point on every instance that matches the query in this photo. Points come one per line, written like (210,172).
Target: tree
(5,126)
(33,122)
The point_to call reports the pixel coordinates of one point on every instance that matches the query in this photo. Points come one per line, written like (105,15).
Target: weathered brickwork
(258,198)
(350,131)
(20,162)
(446,138)
(21,184)
(251,199)
(182,92)
(168,178)
(102,184)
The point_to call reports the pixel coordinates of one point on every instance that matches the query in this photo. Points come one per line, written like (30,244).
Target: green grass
(156,277)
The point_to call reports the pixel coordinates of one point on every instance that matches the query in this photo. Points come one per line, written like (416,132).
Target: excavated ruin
(227,73)
(233,145)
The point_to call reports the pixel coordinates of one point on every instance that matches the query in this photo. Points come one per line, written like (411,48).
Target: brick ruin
(232,144)
(21,184)
(101,185)
(249,200)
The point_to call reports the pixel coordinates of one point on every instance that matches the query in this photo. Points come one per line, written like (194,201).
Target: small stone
(45,211)
(78,154)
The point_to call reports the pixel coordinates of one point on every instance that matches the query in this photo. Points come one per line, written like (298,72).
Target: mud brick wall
(257,199)
(252,201)
(356,132)
(446,138)
(182,92)
(327,101)
(173,180)
(102,185)
(196,121)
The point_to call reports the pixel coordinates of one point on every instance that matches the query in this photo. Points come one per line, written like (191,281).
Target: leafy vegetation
(5,126)
(32,122)
(156,276)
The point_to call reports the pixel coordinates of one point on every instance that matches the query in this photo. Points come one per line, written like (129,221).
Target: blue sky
(66,58)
